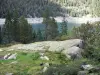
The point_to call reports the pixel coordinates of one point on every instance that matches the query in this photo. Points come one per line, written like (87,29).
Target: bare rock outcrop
(68,47)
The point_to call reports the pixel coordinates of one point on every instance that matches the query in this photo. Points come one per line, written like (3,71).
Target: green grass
(27,62)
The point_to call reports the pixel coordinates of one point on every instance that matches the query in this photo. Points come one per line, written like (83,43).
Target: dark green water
(41,26)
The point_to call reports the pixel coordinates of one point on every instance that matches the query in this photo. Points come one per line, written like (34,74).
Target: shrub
(62,38)
(34,70)
(23,53)
(90,33)
(34,56)
(70,69)
(63,59)
(62,70)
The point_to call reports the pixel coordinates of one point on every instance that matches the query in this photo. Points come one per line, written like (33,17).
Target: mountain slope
(35,8)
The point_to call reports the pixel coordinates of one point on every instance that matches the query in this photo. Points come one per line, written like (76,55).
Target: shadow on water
(42,26)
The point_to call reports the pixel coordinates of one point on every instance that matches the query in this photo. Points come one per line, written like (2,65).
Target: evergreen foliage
(39,35)
(90,34)
(16,29)
(46,18)
(25,30)
(34,35)
(7,29)
(15,25)
(35,8)
(51,28)
(64,27)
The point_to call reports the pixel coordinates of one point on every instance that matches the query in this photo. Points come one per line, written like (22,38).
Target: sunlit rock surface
(67,47)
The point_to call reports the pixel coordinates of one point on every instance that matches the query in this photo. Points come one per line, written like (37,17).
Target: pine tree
(34,35)
(15,26)
(25,31)
(52,29)
(46,19)
(30,31)
(39,35)
(64,27)
(7,28)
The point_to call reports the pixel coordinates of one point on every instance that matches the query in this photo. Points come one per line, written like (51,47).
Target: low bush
(34,56)
(23,53)
(62,58)
(62,38)
(71,69)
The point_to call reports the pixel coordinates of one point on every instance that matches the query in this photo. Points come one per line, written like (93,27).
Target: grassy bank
(28,62)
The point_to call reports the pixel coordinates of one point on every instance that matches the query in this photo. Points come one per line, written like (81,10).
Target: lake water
(72,21)
(41,26)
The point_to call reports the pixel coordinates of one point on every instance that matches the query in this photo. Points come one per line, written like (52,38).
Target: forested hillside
(35,8)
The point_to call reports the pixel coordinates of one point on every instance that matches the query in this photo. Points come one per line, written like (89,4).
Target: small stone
(44,58)
(45,69)
(46,65)
(41,54)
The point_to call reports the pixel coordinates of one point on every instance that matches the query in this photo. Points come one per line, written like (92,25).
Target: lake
(72,21)
(41,26)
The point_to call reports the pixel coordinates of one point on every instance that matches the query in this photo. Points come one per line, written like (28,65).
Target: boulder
(71,48)
(13,56)
(49,45)
(63,45)
(73,52)
(81,44)
(55,46)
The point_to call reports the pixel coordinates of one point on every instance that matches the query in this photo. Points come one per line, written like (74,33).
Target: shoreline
(59,19)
